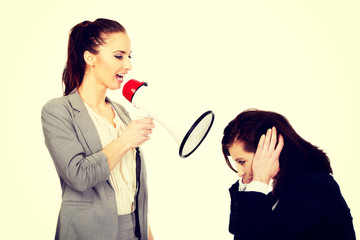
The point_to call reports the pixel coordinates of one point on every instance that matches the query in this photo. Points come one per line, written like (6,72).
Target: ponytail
(85,36)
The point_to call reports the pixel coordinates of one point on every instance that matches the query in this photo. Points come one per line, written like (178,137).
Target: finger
(280,145)
(260,144)
(147,127)
(148,132)
(141,121)
(267,140)
(273,138)
(146,138)
(147,120)
(143,138)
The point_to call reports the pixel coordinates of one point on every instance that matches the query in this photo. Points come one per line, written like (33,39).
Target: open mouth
(119,77)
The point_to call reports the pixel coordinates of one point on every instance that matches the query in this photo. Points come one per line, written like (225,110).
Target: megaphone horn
(189,129)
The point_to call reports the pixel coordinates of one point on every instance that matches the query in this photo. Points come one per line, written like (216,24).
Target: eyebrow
(121,51)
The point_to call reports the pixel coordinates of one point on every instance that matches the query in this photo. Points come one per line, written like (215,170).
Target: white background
(298,58)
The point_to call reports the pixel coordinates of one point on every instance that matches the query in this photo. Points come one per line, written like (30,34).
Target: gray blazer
(88,209)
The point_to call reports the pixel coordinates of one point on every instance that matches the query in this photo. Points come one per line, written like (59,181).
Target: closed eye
(241,162)
(120,57)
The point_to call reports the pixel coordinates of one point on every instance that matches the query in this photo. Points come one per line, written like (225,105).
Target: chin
(247,180)
(114,87)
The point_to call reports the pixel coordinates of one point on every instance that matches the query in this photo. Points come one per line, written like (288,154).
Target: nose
(127,65)
(240,172)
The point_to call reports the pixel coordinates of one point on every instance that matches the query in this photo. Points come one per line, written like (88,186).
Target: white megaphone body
(188,129)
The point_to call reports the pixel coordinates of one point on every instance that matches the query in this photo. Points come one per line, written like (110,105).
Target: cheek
(101,68)
(240,169)
(248,168)
(108,65)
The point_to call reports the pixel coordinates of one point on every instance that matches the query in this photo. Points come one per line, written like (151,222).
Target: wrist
(123,144)
(265,180)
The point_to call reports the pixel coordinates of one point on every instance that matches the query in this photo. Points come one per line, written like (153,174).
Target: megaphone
(188,129)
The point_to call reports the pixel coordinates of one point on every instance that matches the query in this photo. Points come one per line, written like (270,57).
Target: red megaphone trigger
(131,87)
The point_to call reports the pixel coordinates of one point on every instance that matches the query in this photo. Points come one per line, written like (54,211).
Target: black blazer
(309,207)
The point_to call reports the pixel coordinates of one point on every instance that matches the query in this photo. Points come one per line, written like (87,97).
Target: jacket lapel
(85,123)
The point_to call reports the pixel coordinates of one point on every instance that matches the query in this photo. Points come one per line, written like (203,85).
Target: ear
(89,58)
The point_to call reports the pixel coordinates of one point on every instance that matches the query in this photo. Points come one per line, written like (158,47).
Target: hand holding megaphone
(188,129)
(138,131)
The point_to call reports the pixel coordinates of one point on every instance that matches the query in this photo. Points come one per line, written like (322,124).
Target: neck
(92,93)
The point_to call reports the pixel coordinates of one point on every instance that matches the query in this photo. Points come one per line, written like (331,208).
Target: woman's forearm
(115,151)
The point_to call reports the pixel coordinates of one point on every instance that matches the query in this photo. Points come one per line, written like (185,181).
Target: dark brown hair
(297,156)
(85,36)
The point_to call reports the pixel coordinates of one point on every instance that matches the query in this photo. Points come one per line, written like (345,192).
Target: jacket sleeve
(249,213)
(79,171)
(297,211)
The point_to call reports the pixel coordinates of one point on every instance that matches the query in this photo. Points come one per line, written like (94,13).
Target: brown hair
(85,36)
(297,156)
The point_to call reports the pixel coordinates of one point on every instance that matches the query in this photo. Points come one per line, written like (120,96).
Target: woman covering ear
(93,142)
(304,201)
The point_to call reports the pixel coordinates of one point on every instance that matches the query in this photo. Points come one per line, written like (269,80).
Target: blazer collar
(85,123)
(76,102)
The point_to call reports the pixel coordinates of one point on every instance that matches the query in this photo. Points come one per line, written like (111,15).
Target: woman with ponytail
(304,201)
(94,144)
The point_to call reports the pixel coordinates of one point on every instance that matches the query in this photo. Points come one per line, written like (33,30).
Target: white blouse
(123,175)
(254,186)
